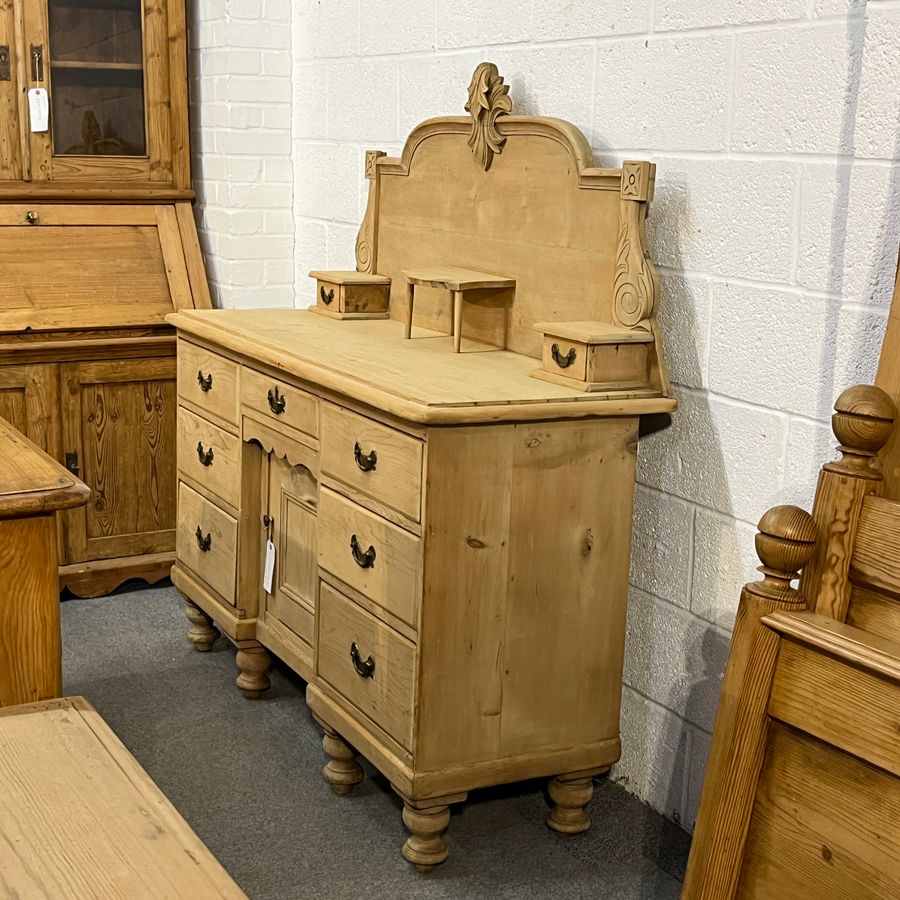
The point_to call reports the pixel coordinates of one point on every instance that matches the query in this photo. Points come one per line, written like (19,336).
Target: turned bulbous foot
(425,848)
(570,796)
(253,663)
(202,633)
(342,771)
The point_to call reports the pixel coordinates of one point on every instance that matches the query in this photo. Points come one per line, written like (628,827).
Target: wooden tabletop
(81,819)
(454,278)
(420,380)
(31,481)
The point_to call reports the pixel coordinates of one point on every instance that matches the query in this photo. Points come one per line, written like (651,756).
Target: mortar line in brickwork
(681,718)
(796,214)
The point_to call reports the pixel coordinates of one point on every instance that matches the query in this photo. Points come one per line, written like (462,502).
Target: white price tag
(269,569)
(38,109)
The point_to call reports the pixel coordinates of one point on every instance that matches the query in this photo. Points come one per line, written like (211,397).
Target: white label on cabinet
(269,570)
(38,109)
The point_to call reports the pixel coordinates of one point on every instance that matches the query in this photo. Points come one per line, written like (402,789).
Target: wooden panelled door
(119,430)
(29,401)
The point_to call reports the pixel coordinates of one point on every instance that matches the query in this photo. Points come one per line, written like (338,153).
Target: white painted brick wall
(241,117)
(774,124)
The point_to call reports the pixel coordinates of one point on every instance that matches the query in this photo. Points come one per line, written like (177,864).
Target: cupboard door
(119,419)
(108,66)
(29,401)
(292,504)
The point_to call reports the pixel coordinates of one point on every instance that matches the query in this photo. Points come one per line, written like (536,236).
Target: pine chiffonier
(438,541)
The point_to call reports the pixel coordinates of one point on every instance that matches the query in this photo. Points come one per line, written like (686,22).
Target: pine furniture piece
(802,791)
(449,537)
(81,819)
(97,245)
(33,487)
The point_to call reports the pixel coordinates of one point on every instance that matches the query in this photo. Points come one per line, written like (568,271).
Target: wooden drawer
(368,663)
(370,554)
(208,381)
(211,553)
(566,358)
(209,456)
(372,458)
(352,295)
(276,401)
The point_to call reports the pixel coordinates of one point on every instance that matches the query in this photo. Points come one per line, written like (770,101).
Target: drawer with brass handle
(373,459)
(368,663)
(208,382)
(206,541)
(209,456)
(370,554)
(271,399)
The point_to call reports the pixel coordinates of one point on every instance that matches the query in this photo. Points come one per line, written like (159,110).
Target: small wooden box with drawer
(352,295)
(593,356)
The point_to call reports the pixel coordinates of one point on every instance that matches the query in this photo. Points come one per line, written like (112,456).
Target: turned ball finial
(785,544)
(862,422)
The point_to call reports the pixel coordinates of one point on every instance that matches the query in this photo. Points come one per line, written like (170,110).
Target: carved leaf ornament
(488,99)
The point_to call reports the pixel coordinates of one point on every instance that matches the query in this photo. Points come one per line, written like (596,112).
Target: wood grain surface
(82,819)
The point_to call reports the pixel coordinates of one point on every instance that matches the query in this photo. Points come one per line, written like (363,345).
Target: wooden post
(784,544)
(862,423)
(410,297)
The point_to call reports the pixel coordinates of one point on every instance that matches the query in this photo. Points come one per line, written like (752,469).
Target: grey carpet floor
(246,776)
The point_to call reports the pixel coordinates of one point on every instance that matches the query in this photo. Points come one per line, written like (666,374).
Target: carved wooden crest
(488,99)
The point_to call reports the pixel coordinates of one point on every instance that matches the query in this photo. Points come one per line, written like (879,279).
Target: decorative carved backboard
(517,196)
(889,379)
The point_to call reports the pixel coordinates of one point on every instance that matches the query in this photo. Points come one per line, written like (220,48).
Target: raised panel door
(29,401)
(119,420)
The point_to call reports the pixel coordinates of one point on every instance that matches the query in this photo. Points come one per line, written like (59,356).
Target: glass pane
(97,78)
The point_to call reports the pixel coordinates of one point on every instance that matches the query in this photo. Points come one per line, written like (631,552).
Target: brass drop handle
(204,543)
(563,361)
(326,298)
(31,217)
(364,668)
(277,401)
(205,456)
(365,560)
(205,381)
(365,462)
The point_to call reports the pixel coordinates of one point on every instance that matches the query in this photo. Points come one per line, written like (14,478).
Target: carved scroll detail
(488,99)
(367,239)
(636,283)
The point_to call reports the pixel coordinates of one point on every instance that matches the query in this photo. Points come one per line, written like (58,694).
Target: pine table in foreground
(81,819)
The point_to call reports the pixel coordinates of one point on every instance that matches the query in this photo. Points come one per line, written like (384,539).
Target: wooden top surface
(454,278)
(31,481)
(346,276)
(80,818)
(420,380)
(595,332)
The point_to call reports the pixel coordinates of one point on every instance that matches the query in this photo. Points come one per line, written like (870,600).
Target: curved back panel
(519,197)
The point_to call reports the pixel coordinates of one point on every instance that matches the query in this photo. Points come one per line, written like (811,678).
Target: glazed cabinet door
(29,401)
(110,68)
(119,431)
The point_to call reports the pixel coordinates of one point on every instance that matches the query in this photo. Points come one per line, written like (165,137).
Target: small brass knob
(31,217)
